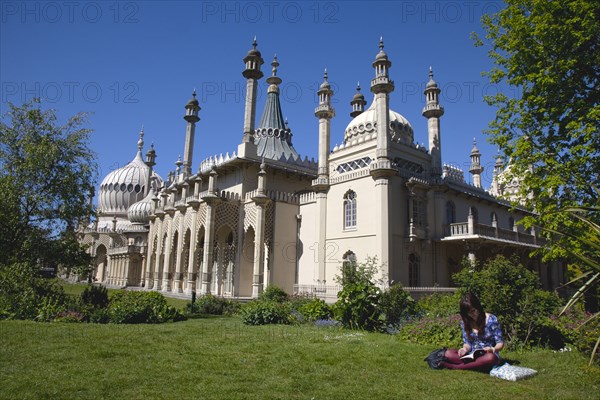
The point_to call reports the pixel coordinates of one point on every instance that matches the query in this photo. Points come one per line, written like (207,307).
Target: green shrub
(133,307)
(213,305)
(357,305)
(24,294)
(94,297)
(511,292)
(395,306)
(434,330)
(263,312)
(315,309)
(439,305)
(274,293)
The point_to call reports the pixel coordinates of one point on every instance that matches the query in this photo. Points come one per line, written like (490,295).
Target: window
(350,210)
(418,216)
(450,213)
(511,223)
(413,270)
(493,217)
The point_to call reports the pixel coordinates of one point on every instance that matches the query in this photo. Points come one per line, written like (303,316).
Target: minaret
(191,116)
(381,169)
(324,112)
(496,189)
(433,111)
(358,103)
(476,167)
(150,162)
(252,73)
(382,86)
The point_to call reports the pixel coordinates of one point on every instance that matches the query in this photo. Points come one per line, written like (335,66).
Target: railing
(127,249)
(488,231)
(325,292)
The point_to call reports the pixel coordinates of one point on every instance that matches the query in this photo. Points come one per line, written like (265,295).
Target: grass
(220,358)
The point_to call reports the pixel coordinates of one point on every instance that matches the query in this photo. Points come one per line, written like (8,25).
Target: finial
(325,75)
(275,64)
(194,92)
(286,123)
(178,162)
(358,86)
(381,43)
(430,73)
(254,44)
(474,142)
(140,142)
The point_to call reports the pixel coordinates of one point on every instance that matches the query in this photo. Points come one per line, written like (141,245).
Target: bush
(314,309)
(213,305)
(25,294)
(511,292)
(395,306)
(357,305)
(434,330)
(263,312)
(438,305)
(274,293)
(129,307)
(94,297)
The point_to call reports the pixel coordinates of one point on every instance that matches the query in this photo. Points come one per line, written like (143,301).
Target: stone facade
(264,215)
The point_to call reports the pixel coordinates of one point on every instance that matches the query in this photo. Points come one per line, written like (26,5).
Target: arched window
(350,210)
(413,270)
(450,213)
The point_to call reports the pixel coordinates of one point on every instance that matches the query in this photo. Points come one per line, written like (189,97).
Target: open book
(473,355)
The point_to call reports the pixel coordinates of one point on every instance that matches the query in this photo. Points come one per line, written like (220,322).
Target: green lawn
(220,358)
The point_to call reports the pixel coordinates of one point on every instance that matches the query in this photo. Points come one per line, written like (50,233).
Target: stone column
(179,256)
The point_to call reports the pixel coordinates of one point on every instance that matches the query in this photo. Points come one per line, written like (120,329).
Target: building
(261,214)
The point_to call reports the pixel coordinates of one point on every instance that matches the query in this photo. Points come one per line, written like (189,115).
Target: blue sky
(137,62)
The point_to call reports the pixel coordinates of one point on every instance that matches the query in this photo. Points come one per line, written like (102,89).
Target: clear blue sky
(137,62)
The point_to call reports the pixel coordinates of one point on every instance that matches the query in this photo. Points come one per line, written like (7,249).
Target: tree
(46,172)
(550,52)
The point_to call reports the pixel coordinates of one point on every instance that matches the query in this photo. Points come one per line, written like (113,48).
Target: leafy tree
(46,172)
(550,52)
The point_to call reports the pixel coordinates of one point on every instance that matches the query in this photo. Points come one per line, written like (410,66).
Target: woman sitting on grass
(480,331)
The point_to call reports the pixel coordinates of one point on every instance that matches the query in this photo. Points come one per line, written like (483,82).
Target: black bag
(435,358)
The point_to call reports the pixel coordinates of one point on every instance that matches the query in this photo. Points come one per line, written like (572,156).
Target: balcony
(481,232)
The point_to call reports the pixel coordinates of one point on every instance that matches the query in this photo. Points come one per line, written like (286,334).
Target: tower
(433,111)
(496,185)
(382,86)
(324,112)
(381,168)
(252,73)
(476,167)
(358,102)
(191,116)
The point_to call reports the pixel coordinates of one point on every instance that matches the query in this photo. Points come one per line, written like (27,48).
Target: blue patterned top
(491,336)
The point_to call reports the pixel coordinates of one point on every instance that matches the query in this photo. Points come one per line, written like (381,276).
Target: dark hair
(472,313)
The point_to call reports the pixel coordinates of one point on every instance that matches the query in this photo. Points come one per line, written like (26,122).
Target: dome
(366,124)
(139,213)
(124,187)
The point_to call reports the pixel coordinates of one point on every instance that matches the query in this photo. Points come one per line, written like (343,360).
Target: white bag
(512,372)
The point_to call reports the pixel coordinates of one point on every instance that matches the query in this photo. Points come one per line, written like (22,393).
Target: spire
(252,73)
(273,137)
(381,83)
(476,167)
(140,142)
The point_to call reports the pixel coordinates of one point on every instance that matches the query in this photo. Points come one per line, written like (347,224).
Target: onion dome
(364,127)
(193,101)
(431,83)
(381,55)
(125,186)
(254,51)
(139,213)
